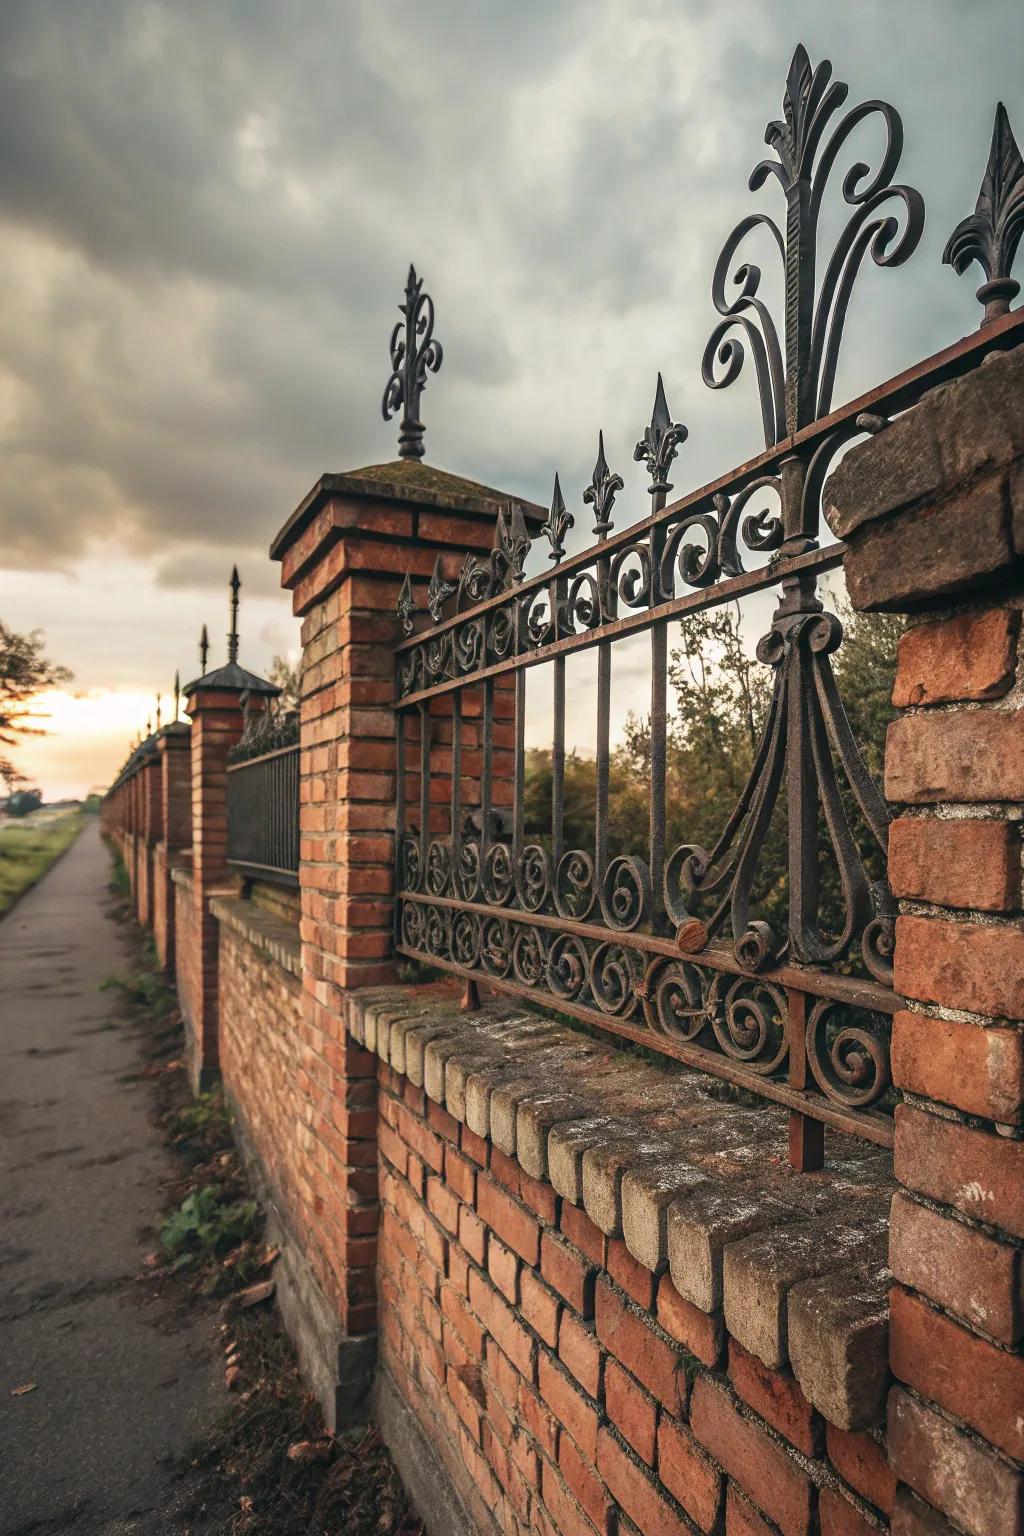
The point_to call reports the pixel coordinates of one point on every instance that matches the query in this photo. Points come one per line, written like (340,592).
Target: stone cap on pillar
(174,736)
(392,518)
(230,680)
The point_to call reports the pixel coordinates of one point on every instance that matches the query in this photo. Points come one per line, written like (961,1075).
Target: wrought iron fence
(263,816)
(674,947)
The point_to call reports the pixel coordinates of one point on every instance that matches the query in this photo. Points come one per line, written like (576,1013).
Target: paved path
(122,1383)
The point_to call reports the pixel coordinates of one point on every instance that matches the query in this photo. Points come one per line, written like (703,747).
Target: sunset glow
(86,738)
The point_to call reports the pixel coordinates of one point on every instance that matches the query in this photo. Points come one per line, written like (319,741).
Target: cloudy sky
(207,213)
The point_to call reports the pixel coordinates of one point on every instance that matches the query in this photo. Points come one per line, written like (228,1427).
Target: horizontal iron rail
(858,992)
(269,872)
(869,1125)
(727,589)
(264,757)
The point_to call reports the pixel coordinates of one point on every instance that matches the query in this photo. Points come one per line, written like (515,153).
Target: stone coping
(693,1181)
(264,930)
(181,874)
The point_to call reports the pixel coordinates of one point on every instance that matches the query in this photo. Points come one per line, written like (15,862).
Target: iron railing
(673,948)
(263,816)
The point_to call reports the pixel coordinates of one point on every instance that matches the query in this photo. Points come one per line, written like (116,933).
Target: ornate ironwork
(795,378)
(559,521)
(263,810)
(158,713)
(234,584)
(415,352)
(785,985)
(204,650)
(660,443)
(406,608)
(991,234)
(177,695)
(602,491)
(439,591)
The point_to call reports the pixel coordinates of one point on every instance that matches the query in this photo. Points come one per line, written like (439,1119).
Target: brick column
(934,511)
(175,834)
(151,820)
(343,555)
(214,704)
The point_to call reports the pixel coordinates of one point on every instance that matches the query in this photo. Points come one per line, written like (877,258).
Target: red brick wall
(187,948)
(565,1386)
(162,914)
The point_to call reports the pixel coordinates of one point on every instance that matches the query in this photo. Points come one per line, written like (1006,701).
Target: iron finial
(602,491)
(177,694)
(406,608)
(158,713)
(511,546)
(414,351)
(660,443)
(149,727)
(439,591)
(204,649)
(233,631)
(796,375)
(558,524)
(991,234)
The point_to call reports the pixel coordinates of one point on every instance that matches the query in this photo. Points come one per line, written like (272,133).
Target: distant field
(27,849)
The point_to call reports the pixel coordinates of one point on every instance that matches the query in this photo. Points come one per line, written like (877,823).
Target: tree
(286,675)
(25,671)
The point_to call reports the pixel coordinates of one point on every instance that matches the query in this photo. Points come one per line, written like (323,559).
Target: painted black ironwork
(234,584)
(795,376)
(415,351)
(263,815)
(204,650)
(177,694)
(991,234)
(677,948)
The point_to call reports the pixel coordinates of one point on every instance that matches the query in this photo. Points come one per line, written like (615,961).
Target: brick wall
(568,1387)
(187,947)
(935,512)
(162,908)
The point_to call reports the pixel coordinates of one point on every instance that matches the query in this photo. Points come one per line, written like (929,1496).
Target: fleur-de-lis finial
(233,631)
(439,591)
(991,234)
(149,727)
(158,713)
(204,649)
(511,546)
(177,695)
(414,351)
(602,491)
(796,372)
(558,524)
(405,607)
(660,443)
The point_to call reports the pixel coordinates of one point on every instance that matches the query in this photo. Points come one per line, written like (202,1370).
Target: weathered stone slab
(760,1271)
(838,1330)
(700,1227)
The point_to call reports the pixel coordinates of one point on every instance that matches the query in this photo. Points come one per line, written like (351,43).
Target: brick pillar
(934,511)
(214,704)
(151,819)
(343,556)
(175,833)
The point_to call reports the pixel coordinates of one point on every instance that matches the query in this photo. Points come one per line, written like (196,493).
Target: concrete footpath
(122,1383)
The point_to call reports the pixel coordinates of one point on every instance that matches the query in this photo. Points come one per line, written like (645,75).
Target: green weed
(203,1222)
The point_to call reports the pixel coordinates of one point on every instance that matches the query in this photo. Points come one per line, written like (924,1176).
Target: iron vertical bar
(487,769)
(604,689)
(558,765)
(658,728)
(519,767)
(399,815)
(456,787)
(424,786)
(806,1136)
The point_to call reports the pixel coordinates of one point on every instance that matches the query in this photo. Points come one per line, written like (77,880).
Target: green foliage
(718,701)
(25,671)
(205,1120)
(203,1222)
(119,881)
(26,853)
(143,989)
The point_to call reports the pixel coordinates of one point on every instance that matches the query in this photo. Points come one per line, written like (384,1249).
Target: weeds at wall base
(268,1466)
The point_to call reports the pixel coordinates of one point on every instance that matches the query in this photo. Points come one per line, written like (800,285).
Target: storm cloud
(207,211)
